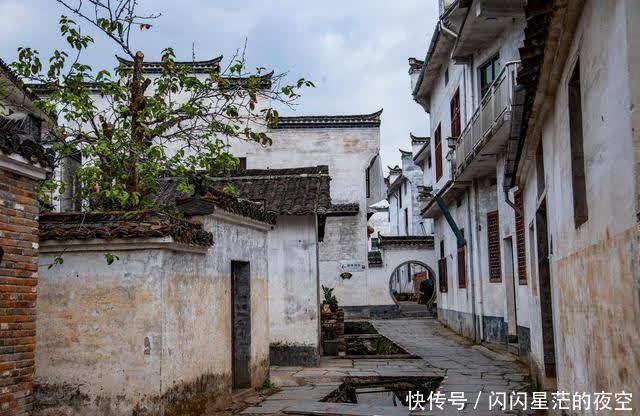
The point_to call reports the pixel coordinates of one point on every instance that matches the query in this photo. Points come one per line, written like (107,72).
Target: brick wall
(18,279)
(332,328)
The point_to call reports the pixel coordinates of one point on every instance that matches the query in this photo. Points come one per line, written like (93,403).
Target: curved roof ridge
(330,121)
(156,66)
(211,61)
(302,170)
(363,116)
(418,139)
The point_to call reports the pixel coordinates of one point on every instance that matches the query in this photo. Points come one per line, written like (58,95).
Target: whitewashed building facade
(535,153)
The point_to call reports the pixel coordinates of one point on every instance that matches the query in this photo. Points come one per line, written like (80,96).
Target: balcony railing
(444,5)
(488,117)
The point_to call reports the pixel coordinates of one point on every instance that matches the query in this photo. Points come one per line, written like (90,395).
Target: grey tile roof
(155,67)
(295,191)
(16,137)
(213,198)
(111,225)
(333,121)
(418,140)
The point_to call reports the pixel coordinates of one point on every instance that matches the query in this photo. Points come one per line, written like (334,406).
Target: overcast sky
(354,50)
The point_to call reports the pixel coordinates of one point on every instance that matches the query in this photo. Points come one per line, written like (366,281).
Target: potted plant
(330,303)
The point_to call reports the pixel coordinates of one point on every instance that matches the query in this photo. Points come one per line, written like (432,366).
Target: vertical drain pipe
(471,274)
(518,211)
(480,294)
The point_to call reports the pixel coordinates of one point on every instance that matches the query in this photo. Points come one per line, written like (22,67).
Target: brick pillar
(332,328)
(18,280)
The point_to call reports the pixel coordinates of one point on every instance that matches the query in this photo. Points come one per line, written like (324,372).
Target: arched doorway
(412,282)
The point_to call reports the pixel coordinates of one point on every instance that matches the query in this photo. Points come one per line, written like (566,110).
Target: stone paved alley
(465,367)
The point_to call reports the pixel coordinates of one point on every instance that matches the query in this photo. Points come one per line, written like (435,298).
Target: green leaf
(110,258)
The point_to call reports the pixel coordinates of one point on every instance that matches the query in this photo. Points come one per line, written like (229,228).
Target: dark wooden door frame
(545,290)
(240,270)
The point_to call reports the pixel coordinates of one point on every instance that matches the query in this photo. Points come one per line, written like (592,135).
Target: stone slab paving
(467,369)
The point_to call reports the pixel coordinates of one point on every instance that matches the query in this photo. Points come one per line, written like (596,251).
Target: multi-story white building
(466,84)
(533,183)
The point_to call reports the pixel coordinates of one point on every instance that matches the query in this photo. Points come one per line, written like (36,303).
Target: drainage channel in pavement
(382,391)
(364,342)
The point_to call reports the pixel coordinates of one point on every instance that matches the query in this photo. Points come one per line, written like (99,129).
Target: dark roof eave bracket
(452,223)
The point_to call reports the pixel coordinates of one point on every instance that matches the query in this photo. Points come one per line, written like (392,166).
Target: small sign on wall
(352,266)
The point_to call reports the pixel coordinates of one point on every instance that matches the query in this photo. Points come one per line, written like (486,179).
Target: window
(489,71)
(520,249)
(409,272)
(493,237)
(406,221)
(242,165)
(462,265)
(455,114)
(442,270)
(540,170)
(400,198)
(578,179)
(446,76)
(438,153)
(374,243)
(368,182)
(532,260)
(35,128)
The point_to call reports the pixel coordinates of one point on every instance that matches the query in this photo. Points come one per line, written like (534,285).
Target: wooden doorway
(544,284)
(240,324)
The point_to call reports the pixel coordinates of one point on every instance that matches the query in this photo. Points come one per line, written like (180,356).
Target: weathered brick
(19,209)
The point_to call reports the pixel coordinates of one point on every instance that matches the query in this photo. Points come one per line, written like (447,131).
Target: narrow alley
(472,372)
(360,208)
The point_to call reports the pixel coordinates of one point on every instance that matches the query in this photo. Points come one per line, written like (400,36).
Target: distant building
(349,146)
(403,193)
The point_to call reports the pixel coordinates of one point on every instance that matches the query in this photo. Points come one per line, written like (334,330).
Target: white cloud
(356,51)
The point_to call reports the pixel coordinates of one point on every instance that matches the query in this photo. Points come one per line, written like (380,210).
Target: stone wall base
(460,322)
(524,343)
(495,329)
(206,394)
(294,355)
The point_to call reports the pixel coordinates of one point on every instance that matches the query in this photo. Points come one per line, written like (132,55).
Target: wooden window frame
(454,109)
(438,152)
(462,267)
(521,253)
(576,137)
(406,221)
(493,247)
(443,285)
(489,63)
(368,182)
